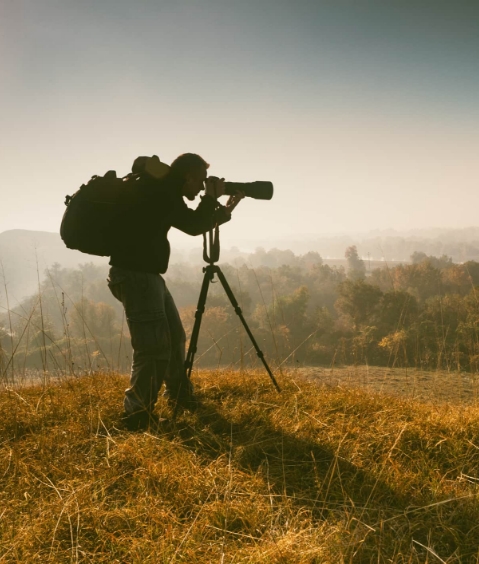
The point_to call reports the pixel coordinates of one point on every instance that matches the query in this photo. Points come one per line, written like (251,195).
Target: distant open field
(423,385)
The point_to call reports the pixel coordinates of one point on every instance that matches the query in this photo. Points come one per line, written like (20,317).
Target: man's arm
(195,222)
(209,213)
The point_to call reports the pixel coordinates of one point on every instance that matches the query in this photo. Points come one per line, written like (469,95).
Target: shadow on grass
(315,477)
(304,470)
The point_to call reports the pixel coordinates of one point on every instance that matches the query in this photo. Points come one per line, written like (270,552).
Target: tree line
(302,312)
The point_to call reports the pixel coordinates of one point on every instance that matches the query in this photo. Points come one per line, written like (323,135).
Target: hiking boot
(139,421)
(182,396)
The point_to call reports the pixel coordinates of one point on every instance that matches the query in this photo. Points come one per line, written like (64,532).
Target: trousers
(157,337)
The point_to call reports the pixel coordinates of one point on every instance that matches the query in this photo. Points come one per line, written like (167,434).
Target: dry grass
(316,474)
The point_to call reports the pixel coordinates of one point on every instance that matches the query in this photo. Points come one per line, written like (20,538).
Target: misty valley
(303,310)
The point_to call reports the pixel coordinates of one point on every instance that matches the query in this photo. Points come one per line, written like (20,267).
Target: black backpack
(95,214)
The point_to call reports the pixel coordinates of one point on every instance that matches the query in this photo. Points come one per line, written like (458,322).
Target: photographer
(140,257)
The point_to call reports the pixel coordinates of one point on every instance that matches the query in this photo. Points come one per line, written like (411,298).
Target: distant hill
(21,250)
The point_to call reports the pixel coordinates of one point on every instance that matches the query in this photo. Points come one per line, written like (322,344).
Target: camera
(260,190)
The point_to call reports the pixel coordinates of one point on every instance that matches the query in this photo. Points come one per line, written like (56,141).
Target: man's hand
(234,200)
(215,187)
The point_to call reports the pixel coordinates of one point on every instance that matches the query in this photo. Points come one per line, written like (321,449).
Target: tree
(289,314)
(397,309)
(422,280)
(457,280)
(93,320)
(356,267)
(472,269)
(417,257)
(441,262)
(311,259)
(358,300)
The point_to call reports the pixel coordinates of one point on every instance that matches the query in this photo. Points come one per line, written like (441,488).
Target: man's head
(191,171)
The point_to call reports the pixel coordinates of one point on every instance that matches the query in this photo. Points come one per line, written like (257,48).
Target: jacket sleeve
(195,222)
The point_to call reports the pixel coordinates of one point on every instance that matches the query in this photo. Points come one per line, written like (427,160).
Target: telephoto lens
(260,190)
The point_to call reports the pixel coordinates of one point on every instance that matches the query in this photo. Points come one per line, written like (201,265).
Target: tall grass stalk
(11,361)
(44,355)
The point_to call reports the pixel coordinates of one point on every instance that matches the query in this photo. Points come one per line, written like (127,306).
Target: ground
(320,473)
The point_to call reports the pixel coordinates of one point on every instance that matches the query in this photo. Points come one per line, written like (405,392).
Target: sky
(363,114)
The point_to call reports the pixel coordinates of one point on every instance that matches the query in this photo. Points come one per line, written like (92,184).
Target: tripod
(212,256)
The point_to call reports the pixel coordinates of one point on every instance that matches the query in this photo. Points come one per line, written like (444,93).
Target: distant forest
(302,312)
(21,250)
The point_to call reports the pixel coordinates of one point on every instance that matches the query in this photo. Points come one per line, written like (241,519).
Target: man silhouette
(140,258)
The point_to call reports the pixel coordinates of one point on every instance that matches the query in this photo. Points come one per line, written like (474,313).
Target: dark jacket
(142,245)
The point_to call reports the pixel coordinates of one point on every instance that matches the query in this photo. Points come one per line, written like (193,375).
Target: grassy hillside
(315,474)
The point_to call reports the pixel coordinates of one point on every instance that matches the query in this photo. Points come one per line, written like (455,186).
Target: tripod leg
(200,308)
(238,311)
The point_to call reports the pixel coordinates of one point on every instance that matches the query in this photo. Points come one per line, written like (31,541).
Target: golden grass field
(321,473)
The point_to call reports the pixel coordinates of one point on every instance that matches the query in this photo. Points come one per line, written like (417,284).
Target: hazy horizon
(183,242)
(364,117)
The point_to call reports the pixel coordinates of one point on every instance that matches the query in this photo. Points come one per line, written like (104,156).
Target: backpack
(95,213)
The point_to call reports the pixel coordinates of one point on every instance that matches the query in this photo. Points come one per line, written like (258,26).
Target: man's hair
(184,164)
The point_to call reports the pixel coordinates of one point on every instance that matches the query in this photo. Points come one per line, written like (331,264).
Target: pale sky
(364,115)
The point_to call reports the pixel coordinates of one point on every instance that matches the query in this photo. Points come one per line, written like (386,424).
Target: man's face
(194,183)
